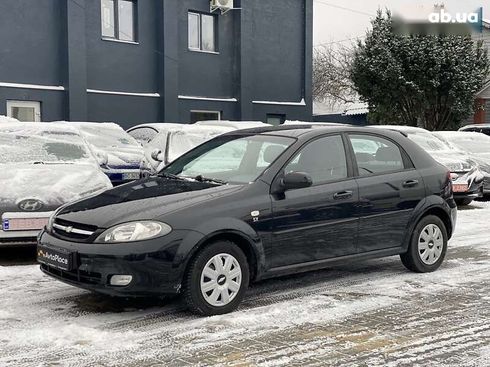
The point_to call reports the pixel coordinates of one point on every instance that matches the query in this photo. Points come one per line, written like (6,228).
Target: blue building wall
(264,54)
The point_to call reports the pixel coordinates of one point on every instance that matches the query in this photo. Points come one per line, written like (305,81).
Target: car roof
(296,131)
(234,124)
(87,124)
(403,128)
(158,126)
(462,134)
(486,125)
(37,127)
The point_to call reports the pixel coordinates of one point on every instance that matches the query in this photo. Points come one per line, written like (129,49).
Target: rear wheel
(217,279)
(428,246)
(463,202)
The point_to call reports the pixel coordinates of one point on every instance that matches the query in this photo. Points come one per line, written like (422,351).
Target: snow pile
(4,119)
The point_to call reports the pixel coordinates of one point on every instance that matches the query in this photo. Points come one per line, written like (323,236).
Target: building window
(26,111)
(202,32)
(205,116)
(119,19)
(275,119)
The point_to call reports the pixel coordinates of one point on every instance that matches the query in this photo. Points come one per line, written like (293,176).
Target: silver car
(477,145)
(42,166)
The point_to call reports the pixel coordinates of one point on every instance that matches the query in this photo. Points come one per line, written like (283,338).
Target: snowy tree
(418,80)
(331,74)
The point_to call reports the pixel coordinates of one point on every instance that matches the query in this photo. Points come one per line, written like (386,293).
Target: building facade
(135,61)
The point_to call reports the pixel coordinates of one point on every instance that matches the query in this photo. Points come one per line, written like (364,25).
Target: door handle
(410,183)
(342,195)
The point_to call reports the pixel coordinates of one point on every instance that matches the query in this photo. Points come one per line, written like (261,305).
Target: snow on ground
(369,313)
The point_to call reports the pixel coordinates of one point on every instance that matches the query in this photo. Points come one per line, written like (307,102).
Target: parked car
(238,125)
(42,166)
(477,145)
(121,154)
(477,128)
(296,199)
(172,142)
(466,175)
(145,133)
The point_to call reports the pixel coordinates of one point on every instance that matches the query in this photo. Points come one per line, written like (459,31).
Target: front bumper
(152,265)
(18,238)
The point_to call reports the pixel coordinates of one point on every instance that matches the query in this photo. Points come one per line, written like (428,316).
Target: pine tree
(428,81)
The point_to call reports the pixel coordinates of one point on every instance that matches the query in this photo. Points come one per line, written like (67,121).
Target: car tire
(463,202)
(428,246)
(213,290)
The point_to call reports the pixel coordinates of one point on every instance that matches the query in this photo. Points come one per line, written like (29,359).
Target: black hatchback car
(251,205)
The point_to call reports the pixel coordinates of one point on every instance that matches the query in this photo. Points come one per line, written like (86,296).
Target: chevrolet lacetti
(255,204)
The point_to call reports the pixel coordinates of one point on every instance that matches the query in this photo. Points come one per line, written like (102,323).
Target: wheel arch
(421,213)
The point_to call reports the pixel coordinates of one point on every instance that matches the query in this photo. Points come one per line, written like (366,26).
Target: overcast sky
(340,20)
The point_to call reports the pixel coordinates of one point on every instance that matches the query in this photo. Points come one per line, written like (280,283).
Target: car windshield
(230,158)
(36,146)
(472,144)
(104,137)
(428,142)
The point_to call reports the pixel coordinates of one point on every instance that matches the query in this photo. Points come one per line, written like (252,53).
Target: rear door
(317,222)
(389,190)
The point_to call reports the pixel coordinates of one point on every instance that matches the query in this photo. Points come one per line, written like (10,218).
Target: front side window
(231,158)
(202,32)
(118,19)
(323,159)
(376,155)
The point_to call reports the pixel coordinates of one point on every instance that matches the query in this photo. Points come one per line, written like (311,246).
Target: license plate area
(460,187)
(24,224)
(131,176)
(58,258)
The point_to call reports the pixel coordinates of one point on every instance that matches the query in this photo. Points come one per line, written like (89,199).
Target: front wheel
(217,279)
(428,246)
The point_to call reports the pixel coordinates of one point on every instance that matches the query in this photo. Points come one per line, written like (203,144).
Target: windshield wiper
(200,178)
(170,175)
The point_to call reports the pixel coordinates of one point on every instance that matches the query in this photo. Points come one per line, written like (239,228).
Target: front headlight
(49,225)
(134,231)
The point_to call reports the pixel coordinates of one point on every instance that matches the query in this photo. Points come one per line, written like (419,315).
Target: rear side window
(323,159)
(143,134)
(376,155)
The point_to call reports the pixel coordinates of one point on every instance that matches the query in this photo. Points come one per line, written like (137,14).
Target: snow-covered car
(477,128)
(174,141)
(477,146)
(466,176)
(121,154)
(42,166)
(145,133)
(234,124)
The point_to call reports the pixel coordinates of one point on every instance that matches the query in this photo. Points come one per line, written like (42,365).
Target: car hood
(154,198)
(51,184)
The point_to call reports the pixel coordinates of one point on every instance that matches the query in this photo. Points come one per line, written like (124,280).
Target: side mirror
(296,180)
(156,155)
(102,158)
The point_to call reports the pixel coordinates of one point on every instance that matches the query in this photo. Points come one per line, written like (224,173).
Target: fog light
(121,280)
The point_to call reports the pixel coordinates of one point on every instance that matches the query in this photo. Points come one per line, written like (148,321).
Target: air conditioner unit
(223,5)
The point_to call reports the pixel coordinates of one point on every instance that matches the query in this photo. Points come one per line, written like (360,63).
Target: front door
(28,111)
(320,221)
(389,190)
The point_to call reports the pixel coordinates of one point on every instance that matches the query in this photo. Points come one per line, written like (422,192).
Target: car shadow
(18,255)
